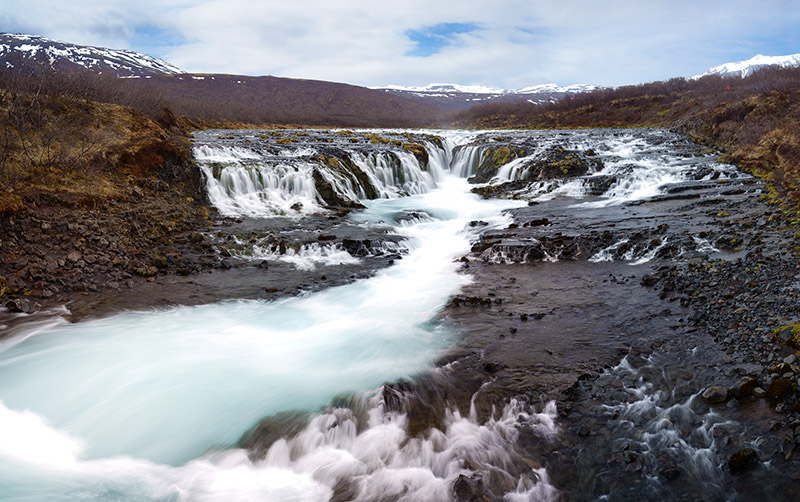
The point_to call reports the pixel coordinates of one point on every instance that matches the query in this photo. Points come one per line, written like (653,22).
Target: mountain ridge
(458,97)
(66,56)
(748,66)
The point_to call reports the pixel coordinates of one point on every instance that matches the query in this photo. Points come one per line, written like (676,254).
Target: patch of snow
(745,68)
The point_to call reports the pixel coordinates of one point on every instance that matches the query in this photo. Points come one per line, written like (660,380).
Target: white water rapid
(149,405)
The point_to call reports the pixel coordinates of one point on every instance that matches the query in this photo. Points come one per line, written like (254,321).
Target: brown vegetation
(275,100)
(81,132)
(755,119)
(96,184)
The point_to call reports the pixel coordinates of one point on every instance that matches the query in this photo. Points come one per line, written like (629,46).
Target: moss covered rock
(419,152)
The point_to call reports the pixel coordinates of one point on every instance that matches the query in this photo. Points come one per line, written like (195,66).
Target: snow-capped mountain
(64,56)
(460,97)
(745,68)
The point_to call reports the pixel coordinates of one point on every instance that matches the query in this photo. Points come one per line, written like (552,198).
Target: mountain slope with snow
(745,68)
(18,48)
(460,97)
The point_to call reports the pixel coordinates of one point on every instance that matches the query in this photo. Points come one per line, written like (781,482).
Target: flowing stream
(151,405)
(138,406)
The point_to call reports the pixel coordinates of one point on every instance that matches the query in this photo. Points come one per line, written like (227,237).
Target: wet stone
(715,394)
(744,387)
(780,389)
(468,488)
(743,460)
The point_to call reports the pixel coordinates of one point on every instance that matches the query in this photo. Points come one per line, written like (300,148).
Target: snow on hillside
(745,68)
(480,89)
(459,97)
(64,55)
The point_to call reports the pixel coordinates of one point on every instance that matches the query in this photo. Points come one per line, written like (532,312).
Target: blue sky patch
(154,41)
(432,39)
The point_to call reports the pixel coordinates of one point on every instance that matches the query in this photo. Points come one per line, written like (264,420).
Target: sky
(500,43)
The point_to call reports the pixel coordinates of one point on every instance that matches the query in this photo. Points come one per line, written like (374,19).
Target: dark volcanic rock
(468,488)
(780,389)
(744,387)
(743,460)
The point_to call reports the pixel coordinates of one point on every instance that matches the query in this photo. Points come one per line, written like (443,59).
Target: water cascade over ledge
(153,405)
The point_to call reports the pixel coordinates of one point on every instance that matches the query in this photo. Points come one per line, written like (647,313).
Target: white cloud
(518,42)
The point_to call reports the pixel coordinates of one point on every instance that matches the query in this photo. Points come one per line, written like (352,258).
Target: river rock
(780,389)
(744,387)
(743,460)
(715,394)
(22,306)
(670,471)
(468,488)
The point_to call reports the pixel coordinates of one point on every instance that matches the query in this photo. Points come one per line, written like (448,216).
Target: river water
(152,405)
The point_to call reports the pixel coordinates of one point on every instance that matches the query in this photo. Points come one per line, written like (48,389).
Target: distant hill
(460,97)
(232,98)
(19,48)
(745,68)
(294,101)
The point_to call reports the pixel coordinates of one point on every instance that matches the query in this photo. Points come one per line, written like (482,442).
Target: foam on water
(655,425)
(307,257)
(641,165)
(129,396)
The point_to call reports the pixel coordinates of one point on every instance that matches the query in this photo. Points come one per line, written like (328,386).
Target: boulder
(468,488)
(744,387)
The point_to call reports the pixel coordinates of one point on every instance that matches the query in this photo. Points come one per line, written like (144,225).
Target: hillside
(267,99)
(226,98)
(96,185)
(756,119)
(17,49)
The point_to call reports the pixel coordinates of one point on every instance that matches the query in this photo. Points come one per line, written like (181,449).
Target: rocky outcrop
(550,163)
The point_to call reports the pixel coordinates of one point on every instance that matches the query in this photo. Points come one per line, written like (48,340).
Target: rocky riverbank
(627,314)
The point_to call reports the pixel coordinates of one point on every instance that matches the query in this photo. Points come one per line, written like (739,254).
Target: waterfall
(258,182)
(394,173)
(241,183)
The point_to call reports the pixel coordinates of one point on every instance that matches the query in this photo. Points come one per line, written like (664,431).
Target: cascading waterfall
(396,173)
(638,168)
(147,405)
(242,182)
(239,182)
(151,405)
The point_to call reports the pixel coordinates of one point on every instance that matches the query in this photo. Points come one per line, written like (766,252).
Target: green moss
(501,156)
(793,338)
